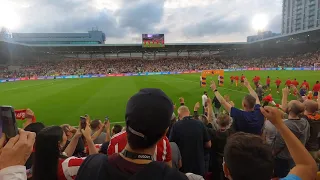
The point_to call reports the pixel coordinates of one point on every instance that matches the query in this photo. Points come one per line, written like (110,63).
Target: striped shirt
(68,168)
(119,141)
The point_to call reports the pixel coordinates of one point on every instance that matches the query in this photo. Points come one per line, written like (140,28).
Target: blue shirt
(303,92)
(291,177)
(248,121)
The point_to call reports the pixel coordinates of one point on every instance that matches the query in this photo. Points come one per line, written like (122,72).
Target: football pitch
(61,101)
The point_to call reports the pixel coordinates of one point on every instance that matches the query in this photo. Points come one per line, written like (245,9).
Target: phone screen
(83,122)
(8,124)
(107,118)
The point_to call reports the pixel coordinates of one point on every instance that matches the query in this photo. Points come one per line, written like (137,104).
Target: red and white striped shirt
(162,153)
(68,168)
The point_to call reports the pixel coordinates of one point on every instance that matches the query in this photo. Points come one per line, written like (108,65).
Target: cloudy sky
(123,21)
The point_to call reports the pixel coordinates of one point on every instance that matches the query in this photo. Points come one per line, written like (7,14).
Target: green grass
(62,101)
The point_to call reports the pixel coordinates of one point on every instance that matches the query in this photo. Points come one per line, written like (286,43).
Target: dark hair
(117,128)
(250,101)
(34,127)
(223,120)
(268,76)
(137,142)
(317,82)
(95,124)
(204,92)
(47,153)
(305,80)
(297,109)
(248,157)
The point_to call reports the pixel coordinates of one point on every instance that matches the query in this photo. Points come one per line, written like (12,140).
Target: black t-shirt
(100,167)
(216,102)
(190,135)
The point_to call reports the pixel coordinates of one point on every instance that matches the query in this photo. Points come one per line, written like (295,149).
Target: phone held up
(83,122)
(8,123)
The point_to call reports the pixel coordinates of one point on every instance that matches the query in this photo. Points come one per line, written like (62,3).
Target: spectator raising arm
(73,143)
(251,91)
(227,106)
(87,135)
(306,167)
(284,103)
(108,136)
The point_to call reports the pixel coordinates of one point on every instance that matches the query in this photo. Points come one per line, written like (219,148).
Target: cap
(148,113)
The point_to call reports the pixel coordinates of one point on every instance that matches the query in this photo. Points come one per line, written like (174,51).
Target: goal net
(316,67)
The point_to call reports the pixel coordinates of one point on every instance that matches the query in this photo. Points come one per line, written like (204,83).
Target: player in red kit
(255,81)
(237,80)
(278,82)
(316,89)
(268,83)
(231,80)
(306,84)
(295,83)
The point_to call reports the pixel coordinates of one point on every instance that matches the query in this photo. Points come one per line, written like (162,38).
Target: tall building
(300,15)
(92,37)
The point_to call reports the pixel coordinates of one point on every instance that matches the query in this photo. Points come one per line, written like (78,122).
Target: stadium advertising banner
(146,74)
(152,40)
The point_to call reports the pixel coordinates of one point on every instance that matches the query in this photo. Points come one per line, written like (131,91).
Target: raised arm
(251,90)
(108,136)
(299,98)
(284,102)
(306,167)
(211,115)
(73,143)
(87,134)
(222,101)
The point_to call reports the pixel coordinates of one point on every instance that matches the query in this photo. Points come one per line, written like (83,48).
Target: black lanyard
(132,155)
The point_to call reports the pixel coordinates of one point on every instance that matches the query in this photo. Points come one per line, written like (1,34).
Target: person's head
(248,102)
(295,108)
(183,111)
(247,157)
(260,86)
(295,79)
(148,116)
(95,124)
(117,128)
(48,146)
(34,127)
(68,130)
(317,82)
(311,107)
(223,120)
(205,92)
(268,77)
(304,80)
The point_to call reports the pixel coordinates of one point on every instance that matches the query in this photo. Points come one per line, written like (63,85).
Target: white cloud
(124,21)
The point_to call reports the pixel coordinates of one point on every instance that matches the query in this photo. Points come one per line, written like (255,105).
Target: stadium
(254,103)
(298,52)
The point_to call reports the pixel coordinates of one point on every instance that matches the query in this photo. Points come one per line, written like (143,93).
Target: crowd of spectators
(162,141)
(135,65)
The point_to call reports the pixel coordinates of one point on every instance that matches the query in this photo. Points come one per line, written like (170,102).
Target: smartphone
(107,118)
(83,122)
(8,123)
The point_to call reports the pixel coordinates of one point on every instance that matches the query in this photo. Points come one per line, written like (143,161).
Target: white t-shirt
(204,99)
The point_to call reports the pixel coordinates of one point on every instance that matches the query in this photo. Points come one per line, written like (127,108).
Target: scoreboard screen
(152,40)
